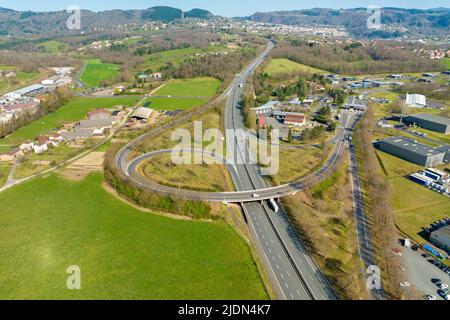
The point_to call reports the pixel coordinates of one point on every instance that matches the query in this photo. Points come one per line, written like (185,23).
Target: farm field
(122,252)
(286,66)
(52,46)
(75,110)
(96,71)
(196,87)
(415,206)
(174,103)
(207,178)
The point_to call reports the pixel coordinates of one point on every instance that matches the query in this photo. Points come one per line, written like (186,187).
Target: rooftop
(411,145)
(445,231)
(268,105)
(431,117)
(23,91)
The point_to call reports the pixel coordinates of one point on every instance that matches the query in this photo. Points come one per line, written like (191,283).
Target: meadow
(174,103)
(122,252)
(73,111)
(276,66)
(96,71)
(207,178)
(52,46)
(196,87)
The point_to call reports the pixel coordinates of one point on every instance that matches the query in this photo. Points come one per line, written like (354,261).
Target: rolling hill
(431,21)
(16,22)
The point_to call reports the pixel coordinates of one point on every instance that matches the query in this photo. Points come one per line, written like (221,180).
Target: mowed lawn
(174,103)
(122,253)
(73,111)
(96,71)
(415,206)
(196,87)
(287,66)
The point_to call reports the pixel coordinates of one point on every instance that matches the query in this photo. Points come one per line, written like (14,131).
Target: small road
(363,230)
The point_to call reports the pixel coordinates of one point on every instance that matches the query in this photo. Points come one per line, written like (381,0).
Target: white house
(27,146)
(39,149)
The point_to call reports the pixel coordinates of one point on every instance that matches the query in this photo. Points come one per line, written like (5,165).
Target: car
(431,297)
(444,294)
(255,195)
(443,286)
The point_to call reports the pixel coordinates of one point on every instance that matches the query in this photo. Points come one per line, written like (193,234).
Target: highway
(291,270)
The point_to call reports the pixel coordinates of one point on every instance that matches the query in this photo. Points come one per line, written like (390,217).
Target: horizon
(222,9)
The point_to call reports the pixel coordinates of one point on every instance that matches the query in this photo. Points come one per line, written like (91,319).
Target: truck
(420,179)
(274,205)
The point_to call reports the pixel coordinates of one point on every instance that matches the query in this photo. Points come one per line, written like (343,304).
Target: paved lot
(421,272)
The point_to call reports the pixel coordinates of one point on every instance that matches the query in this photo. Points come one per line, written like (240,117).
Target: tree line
(378,203)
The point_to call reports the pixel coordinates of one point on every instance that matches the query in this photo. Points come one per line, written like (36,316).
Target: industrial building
(416,100)
(266,108)
(33,89)
(430,122)
(412,151)
(441,238)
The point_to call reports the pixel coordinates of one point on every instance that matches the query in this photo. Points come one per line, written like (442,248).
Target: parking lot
(421,273)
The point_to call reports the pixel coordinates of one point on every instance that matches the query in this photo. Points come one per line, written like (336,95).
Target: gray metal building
(412,151)
(445,149)
(430,122)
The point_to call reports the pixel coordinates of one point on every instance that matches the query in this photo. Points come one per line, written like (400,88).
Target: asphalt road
(291,270)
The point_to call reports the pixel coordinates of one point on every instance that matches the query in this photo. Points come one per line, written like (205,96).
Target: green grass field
(197,87)
(157,60)
(287,66)
(174,103)
(122,253)
(73,111)
(415,206)
(96,71)
(3,85)
(447,62)
(4,171)
(52,46)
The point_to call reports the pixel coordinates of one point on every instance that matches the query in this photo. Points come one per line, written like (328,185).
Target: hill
(161,13)
(198,14)
(431,21)
(17,23)
(3,10)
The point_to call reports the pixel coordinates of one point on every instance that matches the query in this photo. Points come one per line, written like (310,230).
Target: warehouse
(416,100)
(441,238)
(430,122)
(412,151)
(266,108)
